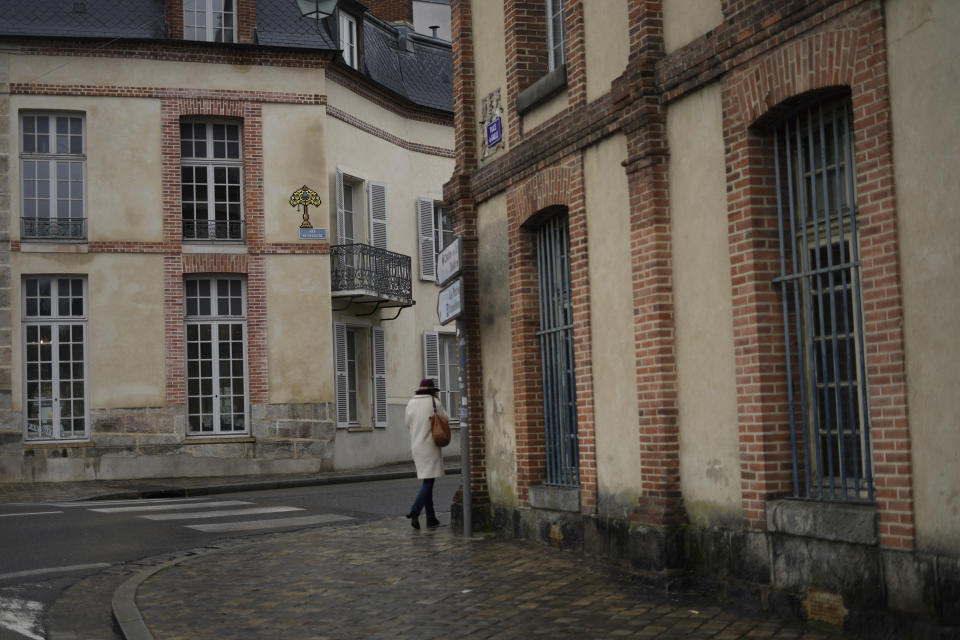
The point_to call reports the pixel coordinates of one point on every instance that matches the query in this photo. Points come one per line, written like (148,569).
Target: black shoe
(414,519)
(432,523)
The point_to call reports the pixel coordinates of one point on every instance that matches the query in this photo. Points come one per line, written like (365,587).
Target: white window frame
(56,320)
(59,153)
(231,229)
(441,364)
(211,10)
(427,245)
(215,320)
(348,40)
(345,384)
(555,22)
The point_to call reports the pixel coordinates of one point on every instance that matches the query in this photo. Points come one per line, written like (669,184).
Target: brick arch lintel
(546,190)
(816,62)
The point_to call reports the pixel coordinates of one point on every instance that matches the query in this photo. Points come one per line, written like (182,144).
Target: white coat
(427,456)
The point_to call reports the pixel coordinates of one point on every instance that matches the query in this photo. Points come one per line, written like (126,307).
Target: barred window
(822,314)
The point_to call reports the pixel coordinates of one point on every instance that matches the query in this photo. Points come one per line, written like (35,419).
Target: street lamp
(317,9)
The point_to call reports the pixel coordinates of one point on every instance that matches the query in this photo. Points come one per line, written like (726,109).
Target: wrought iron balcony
(368,274)
(53,228)
(214,230)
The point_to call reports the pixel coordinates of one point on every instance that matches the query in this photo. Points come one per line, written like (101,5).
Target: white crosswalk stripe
(278,523)
(178,509)
(218,514)
(166,507)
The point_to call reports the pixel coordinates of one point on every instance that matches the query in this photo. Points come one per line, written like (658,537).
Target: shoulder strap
(434,403)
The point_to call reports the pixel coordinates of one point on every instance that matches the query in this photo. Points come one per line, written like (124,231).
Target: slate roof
(415,67)
(83,18)
(424,75)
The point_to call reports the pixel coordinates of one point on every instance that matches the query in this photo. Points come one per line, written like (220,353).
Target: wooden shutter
(428,251)
(379,377)
(377,192)
(340,212)
(431,356)
(340,368)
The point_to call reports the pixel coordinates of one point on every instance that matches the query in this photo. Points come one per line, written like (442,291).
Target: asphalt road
(46,547)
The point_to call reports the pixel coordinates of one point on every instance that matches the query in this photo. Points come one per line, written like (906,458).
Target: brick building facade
(747,292)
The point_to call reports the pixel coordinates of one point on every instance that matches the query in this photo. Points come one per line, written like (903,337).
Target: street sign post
(450,306)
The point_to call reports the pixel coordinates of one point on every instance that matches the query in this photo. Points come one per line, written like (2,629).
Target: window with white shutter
(428,258)
(340,368)
(340,208)
(431,355)
(377,192)
(379,377)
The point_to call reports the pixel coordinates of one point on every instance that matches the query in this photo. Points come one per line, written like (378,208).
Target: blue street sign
(494,132)
(313,234)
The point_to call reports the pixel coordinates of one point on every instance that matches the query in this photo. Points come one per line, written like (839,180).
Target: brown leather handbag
(440,427)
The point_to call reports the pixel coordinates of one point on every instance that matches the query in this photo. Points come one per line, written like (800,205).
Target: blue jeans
(425,499)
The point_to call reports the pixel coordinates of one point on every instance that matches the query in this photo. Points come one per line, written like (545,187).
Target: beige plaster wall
(709,445)
(499,420)
(607,30)
(543,112)
(924,70)
(126,319)
(162,74)
(294,155)
(687,20)
(489,56)
(299,330)
(408,175)
(614,358)
(123,180)
(408,130)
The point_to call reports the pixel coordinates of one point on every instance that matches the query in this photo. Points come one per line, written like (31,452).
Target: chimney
(391,10)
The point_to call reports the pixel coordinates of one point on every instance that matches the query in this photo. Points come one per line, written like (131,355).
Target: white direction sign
(449,262)
(450,301)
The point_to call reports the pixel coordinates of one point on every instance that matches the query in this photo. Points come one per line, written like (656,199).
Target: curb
(183,492)
(126,614)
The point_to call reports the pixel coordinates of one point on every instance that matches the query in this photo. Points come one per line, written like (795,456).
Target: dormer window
(348,39)
(210,20)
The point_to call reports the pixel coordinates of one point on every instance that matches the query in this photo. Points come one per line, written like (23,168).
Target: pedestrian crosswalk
(187,510)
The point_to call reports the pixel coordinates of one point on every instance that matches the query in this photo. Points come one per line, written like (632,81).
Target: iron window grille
(52,170)
(556,353)
(55,372)
(211,177)
(821,303)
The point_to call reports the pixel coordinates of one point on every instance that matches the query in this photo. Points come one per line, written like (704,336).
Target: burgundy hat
(427,386)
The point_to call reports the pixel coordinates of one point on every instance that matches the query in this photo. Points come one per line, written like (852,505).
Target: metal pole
(464,431)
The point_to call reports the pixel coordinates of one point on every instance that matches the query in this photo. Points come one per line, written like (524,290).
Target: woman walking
(427,456)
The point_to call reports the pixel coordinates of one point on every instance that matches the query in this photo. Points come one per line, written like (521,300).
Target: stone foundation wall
(152,443)
(869,591)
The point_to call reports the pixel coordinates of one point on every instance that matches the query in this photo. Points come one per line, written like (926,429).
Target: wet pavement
(379,579)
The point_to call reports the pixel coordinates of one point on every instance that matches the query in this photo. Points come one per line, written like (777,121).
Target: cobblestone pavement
(385,580)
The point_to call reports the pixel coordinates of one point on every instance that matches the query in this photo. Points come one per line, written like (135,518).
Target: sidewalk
(385,580)
(373,580)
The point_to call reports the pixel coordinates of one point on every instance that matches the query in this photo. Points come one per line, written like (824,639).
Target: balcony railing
(53,228)
(213,230)
(360,269)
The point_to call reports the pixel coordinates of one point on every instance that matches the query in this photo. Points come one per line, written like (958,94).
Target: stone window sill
(555,498)
(837,521)
(226,440)
(542,90)
(56,445)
